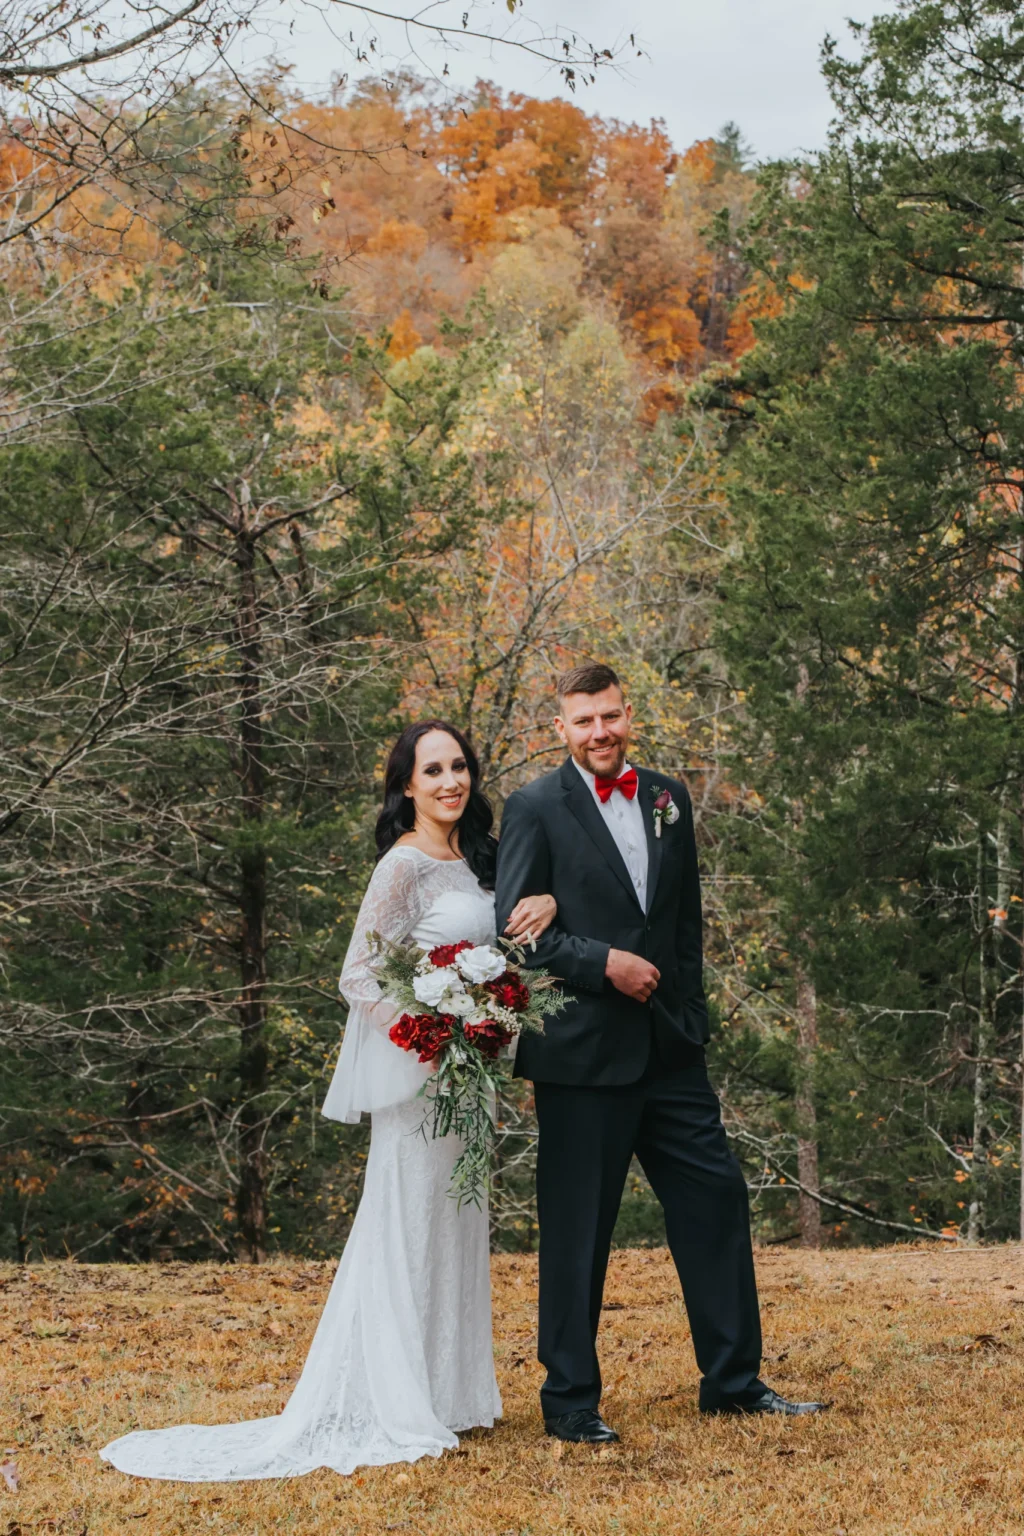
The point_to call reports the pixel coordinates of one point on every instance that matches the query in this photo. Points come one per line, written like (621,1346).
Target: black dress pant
(671,1119)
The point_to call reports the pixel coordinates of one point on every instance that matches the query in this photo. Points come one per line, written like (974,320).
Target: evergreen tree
(205,601)
(875,617)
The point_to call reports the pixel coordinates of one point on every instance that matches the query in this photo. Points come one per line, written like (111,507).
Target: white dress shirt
(625,821)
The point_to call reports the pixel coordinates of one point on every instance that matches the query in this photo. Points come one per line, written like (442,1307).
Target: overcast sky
(755,62)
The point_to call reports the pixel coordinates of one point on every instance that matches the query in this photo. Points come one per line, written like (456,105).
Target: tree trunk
(982,1052)
(807,1144)
(1021,1158)
(251,1202)
(1021,963)
(1000,919)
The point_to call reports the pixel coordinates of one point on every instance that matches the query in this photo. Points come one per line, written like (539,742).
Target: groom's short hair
(591,677)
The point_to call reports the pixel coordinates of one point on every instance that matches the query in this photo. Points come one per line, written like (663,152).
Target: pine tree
(876,617)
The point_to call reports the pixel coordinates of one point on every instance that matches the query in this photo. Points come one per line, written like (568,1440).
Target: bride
(402,1358)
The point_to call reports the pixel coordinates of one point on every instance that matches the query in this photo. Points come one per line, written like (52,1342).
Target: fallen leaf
(983,1341)
(9,1473)
(44,1329)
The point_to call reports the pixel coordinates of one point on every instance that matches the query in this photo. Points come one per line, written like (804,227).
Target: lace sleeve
(390,907)
(372,1073)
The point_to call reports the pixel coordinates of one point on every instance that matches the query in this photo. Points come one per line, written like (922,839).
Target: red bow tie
(627,782)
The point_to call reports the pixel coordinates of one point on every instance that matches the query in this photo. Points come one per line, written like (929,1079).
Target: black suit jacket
(553,838)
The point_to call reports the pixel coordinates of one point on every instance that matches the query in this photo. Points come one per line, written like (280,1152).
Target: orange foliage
(423,201)
(502,157)
(408,205)
(405,338)
(759,301)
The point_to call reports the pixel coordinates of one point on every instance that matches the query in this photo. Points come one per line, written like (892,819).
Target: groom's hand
(631,974)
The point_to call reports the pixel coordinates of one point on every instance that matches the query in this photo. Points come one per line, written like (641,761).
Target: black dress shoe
(768,1402)
(584,1426)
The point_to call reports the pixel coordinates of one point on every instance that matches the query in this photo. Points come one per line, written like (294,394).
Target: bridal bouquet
(463,1003)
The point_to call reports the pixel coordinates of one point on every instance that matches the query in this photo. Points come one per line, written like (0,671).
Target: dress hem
(412,1454)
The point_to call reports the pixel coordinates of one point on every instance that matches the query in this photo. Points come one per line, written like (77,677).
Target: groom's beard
(609,766)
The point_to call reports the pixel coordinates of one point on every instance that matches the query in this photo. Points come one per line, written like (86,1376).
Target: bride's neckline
(425,855)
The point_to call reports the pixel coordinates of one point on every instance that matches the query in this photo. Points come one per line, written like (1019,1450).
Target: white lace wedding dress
(402,1358)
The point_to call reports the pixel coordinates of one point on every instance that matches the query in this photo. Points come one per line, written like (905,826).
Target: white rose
(462,1005)
(480,964)
(671,813)
(431,988)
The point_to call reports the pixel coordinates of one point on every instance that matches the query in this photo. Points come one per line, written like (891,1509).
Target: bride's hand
(530,917)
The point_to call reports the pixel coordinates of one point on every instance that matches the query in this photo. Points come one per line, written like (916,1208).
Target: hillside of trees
(319,416)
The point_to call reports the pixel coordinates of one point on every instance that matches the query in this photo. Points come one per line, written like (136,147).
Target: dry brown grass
(922,1352)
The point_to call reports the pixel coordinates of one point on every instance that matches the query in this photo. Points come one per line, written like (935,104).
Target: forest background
(316,417)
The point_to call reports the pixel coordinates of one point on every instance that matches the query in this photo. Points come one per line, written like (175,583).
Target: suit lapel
(655,845)
(581,803)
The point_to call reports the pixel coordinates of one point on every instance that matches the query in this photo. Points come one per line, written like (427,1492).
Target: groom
(621,1071)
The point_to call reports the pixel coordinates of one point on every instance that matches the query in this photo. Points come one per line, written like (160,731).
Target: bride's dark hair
(477,845)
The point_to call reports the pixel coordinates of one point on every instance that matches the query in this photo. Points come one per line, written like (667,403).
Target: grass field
(921,1351)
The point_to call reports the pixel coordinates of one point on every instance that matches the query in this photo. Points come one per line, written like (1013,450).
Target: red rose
(510,991)
(663,801)
(424,1033)
(488,1036)
(444,954)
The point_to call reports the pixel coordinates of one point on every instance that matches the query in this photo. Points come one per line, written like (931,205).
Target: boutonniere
(665,809)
